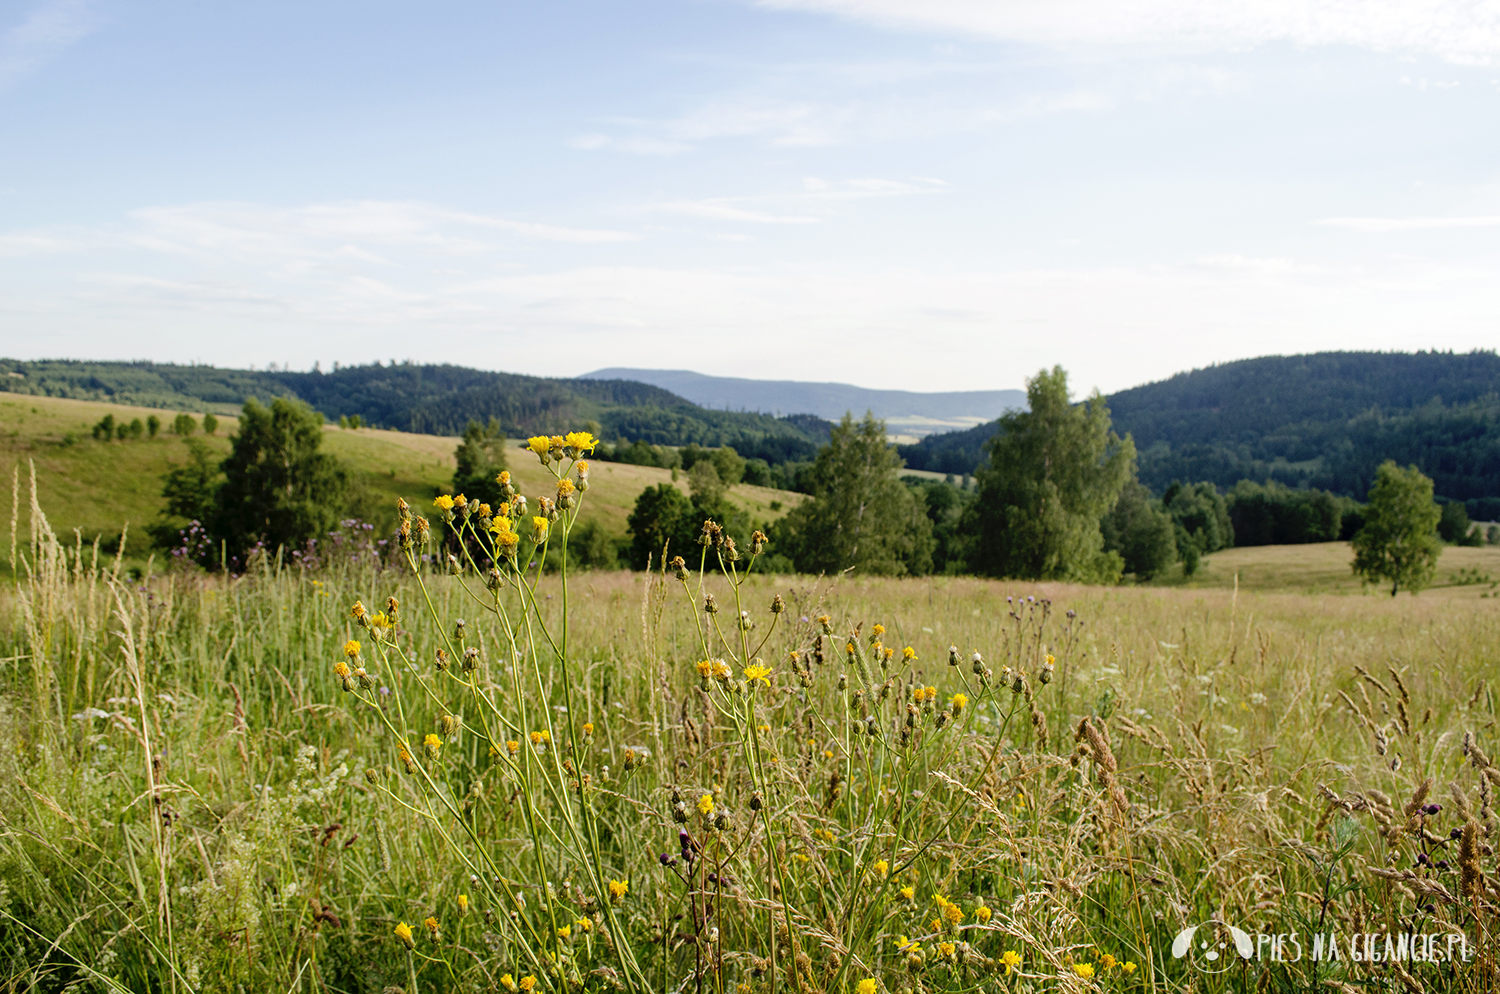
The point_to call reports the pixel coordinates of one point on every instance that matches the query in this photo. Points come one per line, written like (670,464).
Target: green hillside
(97,488)
(1324,420)
(429,399)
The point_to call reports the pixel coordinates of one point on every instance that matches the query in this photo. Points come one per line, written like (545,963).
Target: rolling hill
(429,399)
(1324,420)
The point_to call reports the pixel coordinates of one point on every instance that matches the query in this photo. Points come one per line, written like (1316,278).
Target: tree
(184,425)
(478,459)
(153,426)
(190,491)
(706,483)
(278,489)
(1051,474)
(730,465)
(1455,528)
(662,515)
(105,429)
(1200,519)
(860,515)
(210,424)
(1141,532)
(1399,540)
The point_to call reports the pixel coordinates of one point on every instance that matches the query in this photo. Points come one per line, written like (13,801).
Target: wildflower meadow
(452,763)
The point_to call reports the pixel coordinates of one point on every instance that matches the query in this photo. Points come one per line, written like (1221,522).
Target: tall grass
(192,800)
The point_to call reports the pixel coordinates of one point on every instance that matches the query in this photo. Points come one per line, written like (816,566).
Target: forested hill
(1324,420)
(431,399)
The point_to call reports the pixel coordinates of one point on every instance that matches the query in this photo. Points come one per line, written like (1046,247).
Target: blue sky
(917,194)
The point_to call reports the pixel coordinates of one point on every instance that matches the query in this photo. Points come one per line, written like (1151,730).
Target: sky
(903,194)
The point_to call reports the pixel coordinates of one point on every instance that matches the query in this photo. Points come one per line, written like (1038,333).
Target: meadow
(381,775)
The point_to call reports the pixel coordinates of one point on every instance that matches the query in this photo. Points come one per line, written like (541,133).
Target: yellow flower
(958,702)
(512,746)
(758,672)
(341,669)
(953,913)
(563,931)
(982,915)
(463,904)
(540,444)
(908,893)
(582,467)
(823,834)
(565,487)
(580,441)
(881,868)
(357,611)
(865,986)
(528,982)
(946,948)
(538,530)
(432,926)
(705,667)
(908,654)
(403,932)
(801,857)
(706,805)
(1107,961)
(618,889)
(504,478)
(351,649)
(538,738)
(509,983)
(1010,960)
(877,631)
(584,925)
(588,728)
(444,501)
(433,744)
(931,693)
(1128,967)
(1084,970)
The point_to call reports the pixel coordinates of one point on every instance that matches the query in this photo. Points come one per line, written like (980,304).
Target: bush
(184,425)
(153,426)
(105,429)
(210,424)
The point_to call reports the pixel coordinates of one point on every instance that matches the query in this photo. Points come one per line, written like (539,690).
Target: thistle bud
(1019,683)
(460,631)
(454,568)
(727,550)
(709,607)
(372,776)
(953,655)
(756,801)
(366,681)
(493,579)
(978,662)
(757,542)
(471,659)
(442,661)
(679,568)
(778,605)
(403,509)
(449,723)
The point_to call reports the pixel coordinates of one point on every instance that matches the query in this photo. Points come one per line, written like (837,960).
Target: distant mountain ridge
(431,399)
(1323,420)
(905,412)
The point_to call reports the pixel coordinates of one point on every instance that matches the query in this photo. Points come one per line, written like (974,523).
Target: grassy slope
(1323,568)
(97,487)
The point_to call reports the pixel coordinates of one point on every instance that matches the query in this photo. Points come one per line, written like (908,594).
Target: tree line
(1058,497)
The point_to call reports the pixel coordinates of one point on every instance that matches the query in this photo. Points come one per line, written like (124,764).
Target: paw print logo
(1211,946)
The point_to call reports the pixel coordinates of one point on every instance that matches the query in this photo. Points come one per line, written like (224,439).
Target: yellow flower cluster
(618,889)
(758,672)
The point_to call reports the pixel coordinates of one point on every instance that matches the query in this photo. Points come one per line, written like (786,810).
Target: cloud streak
(1460,30)
(1382,225)
(42,37)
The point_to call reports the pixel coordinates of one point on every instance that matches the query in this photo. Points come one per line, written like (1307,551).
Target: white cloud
(1462,30)
(42,37)
(724,210)
(1387,224)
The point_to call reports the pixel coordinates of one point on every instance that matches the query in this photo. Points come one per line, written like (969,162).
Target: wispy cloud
(363,231)
(1460,30)
(42,37)
(1388,224)
(783,207)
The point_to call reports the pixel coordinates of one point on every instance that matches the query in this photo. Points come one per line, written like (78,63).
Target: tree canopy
(1052,473)
(860,515)
(1399,539)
